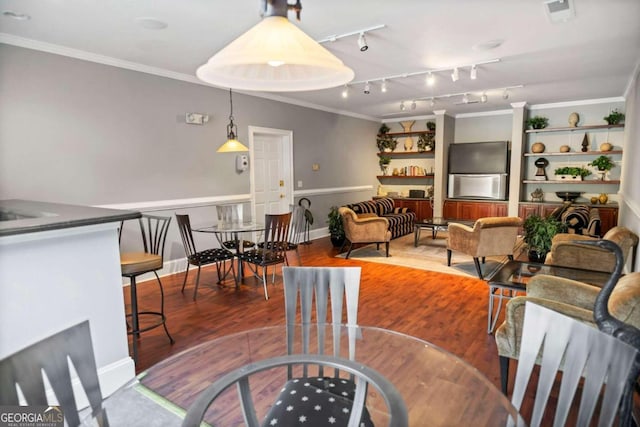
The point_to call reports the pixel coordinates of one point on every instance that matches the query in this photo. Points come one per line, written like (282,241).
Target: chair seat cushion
(210,256)
(314,401)
(233,244)
(260,256)
(139,262)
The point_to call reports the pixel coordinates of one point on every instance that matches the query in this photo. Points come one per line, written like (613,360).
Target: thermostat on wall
(242,162)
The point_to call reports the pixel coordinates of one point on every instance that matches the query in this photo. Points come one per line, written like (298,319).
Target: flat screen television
(479,157)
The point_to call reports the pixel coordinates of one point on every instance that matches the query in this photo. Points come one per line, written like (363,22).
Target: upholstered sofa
(401,220)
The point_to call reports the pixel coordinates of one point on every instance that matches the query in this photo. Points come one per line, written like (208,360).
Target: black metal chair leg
(195,291)
(449,257)
(135,335)
(186,273)
(164,319)
(504,373)
(349,252)
(510,257)
(386,244)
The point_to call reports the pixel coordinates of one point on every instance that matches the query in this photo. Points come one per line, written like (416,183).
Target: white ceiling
(591,56)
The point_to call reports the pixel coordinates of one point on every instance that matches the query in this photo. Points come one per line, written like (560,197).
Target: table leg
(416,235)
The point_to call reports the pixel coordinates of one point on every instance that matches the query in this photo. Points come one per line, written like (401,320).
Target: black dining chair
(272,250)
(133,264)
(52,356)
(217,256)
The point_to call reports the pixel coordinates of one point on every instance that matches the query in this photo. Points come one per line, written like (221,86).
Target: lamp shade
(232,146)
(277,56)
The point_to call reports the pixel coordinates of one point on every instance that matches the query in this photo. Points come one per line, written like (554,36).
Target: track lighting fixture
(474,72)
(465,98)
(383,86)
(505,94)
(362,43)
(431,79)
(413,105)
(402,107)
(432,103)
(455,75)
(483,98)
(367,89)
(430,74)
(345,92)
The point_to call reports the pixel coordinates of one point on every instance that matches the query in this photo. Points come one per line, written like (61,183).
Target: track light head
(367,88)
(432,103)
(362,43)
(505,94)
(454,75)
(483,98)
(383,86)
(465,98)
(402,107)
(413,105)
(431,79)
(474,72)
(345,92)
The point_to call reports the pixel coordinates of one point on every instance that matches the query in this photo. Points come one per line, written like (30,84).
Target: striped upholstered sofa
(401,220)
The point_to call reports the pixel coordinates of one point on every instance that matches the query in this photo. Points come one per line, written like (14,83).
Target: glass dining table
(231,231)
(438,388)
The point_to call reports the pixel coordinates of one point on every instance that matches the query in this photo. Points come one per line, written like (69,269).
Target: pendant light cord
(231,103)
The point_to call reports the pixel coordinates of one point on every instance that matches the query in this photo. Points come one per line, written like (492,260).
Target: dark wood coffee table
(435,225)
(513,276)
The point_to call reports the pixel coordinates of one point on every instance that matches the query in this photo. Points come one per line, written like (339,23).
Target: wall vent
(559,10)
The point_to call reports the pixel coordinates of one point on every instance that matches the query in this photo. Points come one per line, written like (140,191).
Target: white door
(271,166)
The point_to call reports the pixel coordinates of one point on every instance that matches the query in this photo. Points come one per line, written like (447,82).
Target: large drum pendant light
(277,56)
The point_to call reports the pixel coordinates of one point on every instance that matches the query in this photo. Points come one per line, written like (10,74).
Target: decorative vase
(565,149)
(603,198)
(594,200)
(535,256)
(408,141)
(585,143)
(606,146)
(574,118)
(537,147)
(385,170)
(337,241)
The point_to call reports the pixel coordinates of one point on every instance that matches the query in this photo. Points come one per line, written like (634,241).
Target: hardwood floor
(449,313)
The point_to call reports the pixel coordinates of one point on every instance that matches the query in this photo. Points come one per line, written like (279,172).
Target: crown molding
(485,114)
(577,103)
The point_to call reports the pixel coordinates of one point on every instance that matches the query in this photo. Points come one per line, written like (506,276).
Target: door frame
(287,158)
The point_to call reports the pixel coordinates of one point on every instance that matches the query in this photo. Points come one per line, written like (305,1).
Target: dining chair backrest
(184,226)
(154,233)
(301,284)
(276,233)
(25,369)
(584,351)
(230,213)
(296,229)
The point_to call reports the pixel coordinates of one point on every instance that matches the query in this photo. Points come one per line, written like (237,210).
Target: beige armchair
(491,236)
(365,228)
(569,297)
(565,252)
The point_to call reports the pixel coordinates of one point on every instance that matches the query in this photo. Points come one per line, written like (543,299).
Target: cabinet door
(450,209)
(608,218)
(500,209)
(475,210)
(546,210)
(526,210)
(422,208)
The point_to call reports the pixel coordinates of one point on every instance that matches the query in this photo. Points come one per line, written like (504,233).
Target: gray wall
(73,131)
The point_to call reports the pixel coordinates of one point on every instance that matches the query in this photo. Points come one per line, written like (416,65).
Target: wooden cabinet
(608,213)
(422,207)
(473,209)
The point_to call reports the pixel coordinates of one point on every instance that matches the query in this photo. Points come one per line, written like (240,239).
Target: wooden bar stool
(133,264)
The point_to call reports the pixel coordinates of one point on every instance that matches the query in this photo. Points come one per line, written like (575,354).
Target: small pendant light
(232,144)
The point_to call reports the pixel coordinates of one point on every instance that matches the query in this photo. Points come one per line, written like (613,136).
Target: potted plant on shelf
(603,163)
(386,143)
(614,118)
(431,126)
(538,233)
(425,142)
(336,231)
(572,173)
(384,163)
(538,122)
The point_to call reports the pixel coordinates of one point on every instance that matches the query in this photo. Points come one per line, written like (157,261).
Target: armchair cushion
(488,236)
(370,229)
